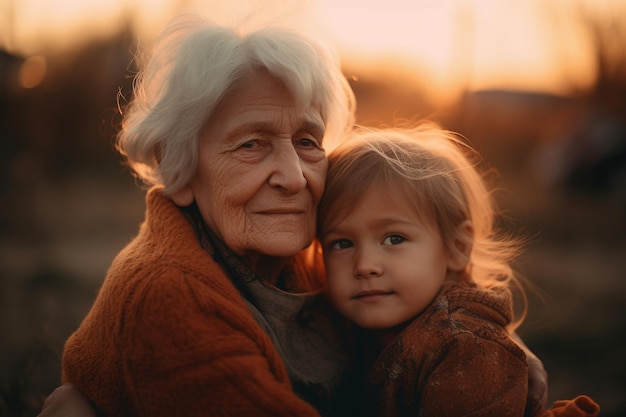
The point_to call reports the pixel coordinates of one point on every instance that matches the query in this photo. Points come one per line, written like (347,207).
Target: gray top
(305,336)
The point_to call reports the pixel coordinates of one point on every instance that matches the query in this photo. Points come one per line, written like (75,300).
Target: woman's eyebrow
(257,126)
(313,127)
(307,125)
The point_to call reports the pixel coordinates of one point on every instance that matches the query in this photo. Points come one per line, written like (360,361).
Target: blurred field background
(541,95)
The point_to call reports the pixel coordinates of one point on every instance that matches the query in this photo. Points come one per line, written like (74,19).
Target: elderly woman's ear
(461,249)
(183,197)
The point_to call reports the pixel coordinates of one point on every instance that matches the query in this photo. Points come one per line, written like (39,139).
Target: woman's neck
(268,268)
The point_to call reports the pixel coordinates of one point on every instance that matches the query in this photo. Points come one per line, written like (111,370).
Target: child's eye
(393,240)
(340,244)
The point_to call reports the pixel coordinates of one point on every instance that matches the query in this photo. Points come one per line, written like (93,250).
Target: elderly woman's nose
(287,172)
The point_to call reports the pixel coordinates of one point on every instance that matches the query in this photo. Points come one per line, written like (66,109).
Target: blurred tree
(599,147)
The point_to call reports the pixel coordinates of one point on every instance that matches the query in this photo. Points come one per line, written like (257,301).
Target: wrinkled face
(261,170)
(384,265)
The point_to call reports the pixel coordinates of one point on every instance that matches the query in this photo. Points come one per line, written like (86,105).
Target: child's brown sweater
(457,359)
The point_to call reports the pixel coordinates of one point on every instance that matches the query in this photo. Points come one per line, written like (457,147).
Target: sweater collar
(233,265)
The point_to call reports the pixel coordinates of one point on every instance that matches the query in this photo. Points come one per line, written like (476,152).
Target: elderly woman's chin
(282,235)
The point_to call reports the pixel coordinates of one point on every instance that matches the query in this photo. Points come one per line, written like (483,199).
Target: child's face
(384,264)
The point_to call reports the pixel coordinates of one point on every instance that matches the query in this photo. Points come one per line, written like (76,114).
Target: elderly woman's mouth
(282,211)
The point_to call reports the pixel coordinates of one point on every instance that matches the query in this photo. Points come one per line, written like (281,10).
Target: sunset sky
(519,44)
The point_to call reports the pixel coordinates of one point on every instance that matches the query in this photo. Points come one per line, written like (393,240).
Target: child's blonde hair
(436,171)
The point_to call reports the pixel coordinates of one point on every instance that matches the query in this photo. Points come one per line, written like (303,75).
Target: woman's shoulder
(165,268)
(166,246)
(167,282)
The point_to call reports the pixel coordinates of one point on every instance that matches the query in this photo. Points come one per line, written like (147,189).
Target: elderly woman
(212,309)
(201,313)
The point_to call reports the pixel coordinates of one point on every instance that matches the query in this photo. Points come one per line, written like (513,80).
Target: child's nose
(367,264)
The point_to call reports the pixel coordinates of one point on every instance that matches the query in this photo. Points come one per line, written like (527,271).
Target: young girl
(413,259)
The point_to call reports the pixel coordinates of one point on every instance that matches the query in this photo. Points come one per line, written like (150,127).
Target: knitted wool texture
(457,359)
(169,335)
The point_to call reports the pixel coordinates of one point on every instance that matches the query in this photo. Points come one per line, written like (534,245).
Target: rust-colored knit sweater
(169,335)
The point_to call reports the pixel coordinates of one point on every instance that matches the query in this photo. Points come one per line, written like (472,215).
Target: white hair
(194,63)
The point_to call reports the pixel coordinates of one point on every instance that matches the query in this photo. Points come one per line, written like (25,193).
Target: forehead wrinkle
(305,124)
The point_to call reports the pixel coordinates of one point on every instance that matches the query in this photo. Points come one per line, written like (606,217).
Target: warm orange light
(462,45)
(32,72)
(40,24)
(454,45)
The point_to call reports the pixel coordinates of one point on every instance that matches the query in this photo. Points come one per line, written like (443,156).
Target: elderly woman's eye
(249,144)
(308,143)
(310,149)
